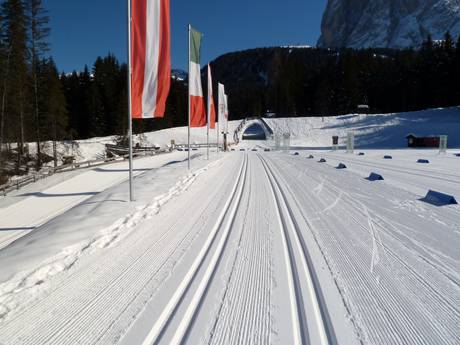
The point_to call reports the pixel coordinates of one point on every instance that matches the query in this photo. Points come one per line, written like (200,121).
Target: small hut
(428,141)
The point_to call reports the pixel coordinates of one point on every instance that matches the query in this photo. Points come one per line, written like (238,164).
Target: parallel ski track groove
(156,333)
(325,329)
(246,300)
(411,334)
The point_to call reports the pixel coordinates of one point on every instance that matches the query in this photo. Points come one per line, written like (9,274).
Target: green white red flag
(211,107)
(196,99)
(150,57)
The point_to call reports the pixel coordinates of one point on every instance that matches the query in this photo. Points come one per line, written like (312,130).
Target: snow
(247,248)
(371,131)
(46,204)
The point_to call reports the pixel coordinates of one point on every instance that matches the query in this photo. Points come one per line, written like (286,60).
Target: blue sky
(84,29)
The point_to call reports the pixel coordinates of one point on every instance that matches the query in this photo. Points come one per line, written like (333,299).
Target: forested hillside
(321,82)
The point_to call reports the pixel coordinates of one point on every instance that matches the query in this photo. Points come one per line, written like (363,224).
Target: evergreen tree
(15,37)
(54,104)
(38,45)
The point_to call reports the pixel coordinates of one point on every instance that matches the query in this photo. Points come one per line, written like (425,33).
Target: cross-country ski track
(252,248)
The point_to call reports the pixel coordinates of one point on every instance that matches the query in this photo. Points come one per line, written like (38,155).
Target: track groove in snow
(322,333)
(244,315)
(154,336)
(379,304)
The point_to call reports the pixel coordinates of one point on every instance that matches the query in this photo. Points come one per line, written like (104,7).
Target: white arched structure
(245,124)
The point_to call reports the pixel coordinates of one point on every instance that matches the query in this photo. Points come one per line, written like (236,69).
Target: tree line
(286,81)
(32,104)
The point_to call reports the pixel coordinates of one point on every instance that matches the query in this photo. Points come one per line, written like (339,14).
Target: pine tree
(15,37)
(54,105)
(38,45)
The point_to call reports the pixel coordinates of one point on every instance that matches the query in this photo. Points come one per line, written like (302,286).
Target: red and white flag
(196,98)
(211,107)
(150,58)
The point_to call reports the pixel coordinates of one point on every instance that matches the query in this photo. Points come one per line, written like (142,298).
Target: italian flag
(196,99)
(211,108)
(150,57)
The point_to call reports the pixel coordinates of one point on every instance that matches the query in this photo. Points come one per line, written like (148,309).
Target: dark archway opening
(254,132)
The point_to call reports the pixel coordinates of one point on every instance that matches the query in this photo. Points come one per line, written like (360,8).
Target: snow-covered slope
(383,23)
(371,131)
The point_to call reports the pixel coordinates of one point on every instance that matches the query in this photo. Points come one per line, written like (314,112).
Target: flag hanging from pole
(150,58)
(211,108)
(225,114)
(196,98)
(221,107)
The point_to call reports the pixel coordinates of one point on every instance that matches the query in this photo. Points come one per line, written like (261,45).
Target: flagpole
(130,122)
(208,117)
(189,30)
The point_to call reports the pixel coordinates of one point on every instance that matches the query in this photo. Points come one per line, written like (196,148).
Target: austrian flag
(197,107)
(150,57)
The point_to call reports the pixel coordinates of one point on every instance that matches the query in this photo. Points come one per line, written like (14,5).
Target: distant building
(269,114)
(363,109)
(429,141)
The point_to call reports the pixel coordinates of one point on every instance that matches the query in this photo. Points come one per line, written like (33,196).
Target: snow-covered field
(251,247)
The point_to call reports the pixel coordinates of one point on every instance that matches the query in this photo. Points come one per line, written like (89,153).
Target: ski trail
(158,327)
(375,250)
(334,204)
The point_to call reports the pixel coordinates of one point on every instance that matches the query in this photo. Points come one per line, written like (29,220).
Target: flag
(211,108)
(221,108)
(226,114)
(196,99)
(150,58)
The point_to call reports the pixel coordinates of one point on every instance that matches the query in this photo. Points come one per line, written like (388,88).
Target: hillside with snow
(371,131)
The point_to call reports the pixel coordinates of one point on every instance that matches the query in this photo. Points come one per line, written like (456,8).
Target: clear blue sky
(84,29)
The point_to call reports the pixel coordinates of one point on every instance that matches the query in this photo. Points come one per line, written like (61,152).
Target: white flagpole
(209,115)
(130,121)
(189,31)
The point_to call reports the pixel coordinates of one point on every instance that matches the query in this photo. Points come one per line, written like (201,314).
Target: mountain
(179,74)
(387,23)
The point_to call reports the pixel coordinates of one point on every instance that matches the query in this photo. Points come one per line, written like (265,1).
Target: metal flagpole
(208,117)
(218,129)
(130,121)
(189,30)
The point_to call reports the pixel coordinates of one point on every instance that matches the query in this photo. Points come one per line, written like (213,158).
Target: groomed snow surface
(251,247)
